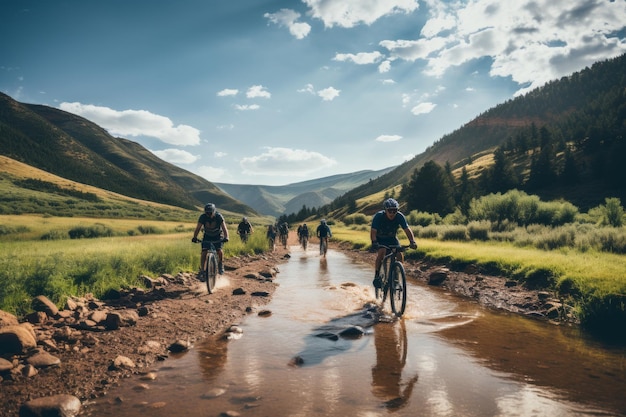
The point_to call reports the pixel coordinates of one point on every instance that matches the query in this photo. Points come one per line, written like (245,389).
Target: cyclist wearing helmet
(244,229)
(214,231)
(323,232)
(383,231)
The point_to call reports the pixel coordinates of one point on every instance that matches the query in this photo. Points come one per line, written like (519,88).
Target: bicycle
(323,245)
(304,241)
(393,278)
(210,265)
(244,237)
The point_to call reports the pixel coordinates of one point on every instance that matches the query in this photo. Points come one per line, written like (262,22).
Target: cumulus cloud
(423,108)
(135,123)
(530,42)
(176,156)
(285,162)
(349,13)
(227,92)
(329,94)
(362,58)
(258,91)
(384,66)
(388,138)
(288,18)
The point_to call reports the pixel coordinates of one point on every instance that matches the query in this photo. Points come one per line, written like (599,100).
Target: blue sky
(278,92)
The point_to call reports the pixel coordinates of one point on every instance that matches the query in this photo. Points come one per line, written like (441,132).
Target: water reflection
(391,344)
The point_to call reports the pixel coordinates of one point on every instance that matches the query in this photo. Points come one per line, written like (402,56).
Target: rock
(42,303)
(7,319)
(260,294)
(122,362)
(29,371)
(265,313)
(5,365)
(54,406)
(329,336)
(213,393)
(16,339)
(354,332)
(36,317)
(43,360)
(239,291)
(179,346)
(438,276)
(121,318)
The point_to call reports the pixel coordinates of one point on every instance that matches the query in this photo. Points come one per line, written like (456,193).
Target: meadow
(39,256)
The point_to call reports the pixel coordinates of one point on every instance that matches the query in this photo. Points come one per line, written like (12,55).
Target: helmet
(323,221)
(209,208)
(245,219)
(390,203)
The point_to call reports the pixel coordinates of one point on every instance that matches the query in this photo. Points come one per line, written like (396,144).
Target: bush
(424,219)
(454,233)
(95,231)
(479,230)
(356,218)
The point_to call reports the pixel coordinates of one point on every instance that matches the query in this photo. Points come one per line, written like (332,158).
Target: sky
(275,92)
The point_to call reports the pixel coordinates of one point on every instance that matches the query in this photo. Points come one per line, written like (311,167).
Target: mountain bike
(393,278)
(244,237)
(323,245)
(210,265)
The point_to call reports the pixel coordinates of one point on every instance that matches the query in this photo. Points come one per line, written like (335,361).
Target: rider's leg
(220,257)
(379,260)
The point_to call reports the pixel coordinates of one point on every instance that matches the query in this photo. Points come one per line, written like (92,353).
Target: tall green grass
(60,268)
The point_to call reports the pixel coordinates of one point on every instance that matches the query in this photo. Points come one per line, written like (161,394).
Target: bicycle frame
(210,263)
(393,277)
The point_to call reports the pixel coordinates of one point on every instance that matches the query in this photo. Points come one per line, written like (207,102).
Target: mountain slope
(587,105)
(287,199)
(74,148)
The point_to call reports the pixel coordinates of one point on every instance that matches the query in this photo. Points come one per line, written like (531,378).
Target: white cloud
(530,42)
(388,138)
(362,58)
(211,173)
(219,154)
(307,89)
(176,156)
(388,81)
(245,107)
(328,94)
(288,18)
(423,108)
(349,13)
(384,66)
(285,162)
(258,91)
(135,123)
(225,127)
(227,92)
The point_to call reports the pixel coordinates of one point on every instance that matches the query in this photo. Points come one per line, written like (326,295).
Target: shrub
(454,233)
(479,230)
(424,219)
(95,231)
(356,218)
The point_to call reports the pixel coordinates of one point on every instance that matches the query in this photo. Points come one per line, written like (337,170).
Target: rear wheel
(381,293)
(397,289)
(211,272)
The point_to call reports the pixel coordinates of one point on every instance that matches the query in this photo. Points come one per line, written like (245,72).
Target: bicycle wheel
(397,289)
(381,293)
(211,272)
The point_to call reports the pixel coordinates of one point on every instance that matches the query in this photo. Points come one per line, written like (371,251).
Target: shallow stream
(446,357)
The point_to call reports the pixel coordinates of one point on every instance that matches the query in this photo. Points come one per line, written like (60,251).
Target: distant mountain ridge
(290,198)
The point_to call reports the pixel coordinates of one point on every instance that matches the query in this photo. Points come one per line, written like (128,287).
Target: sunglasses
(392,210)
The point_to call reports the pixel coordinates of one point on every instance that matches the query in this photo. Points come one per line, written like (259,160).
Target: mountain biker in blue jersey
(215,231)
(383,232)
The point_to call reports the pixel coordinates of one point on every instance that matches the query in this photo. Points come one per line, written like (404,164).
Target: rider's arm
(373,234)
(225,230)
(409,234)
(195,232)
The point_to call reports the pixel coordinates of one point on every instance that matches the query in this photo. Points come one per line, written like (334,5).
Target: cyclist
(303,233)
(383,231)
(323,232)
(215,231)
(283,230)
(244,229)
(271,236)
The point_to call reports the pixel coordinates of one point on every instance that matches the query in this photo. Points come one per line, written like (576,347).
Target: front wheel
(397,289)
(211,272)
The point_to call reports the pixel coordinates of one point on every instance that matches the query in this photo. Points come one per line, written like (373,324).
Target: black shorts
(217,243)
(388,241)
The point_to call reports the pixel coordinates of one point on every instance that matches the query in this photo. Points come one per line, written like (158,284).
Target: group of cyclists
(383,231)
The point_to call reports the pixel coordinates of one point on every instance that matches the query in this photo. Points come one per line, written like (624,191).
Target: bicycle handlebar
(209,241)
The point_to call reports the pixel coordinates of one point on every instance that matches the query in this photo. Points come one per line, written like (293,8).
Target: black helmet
(323,221)
(390,203)
(209,208)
